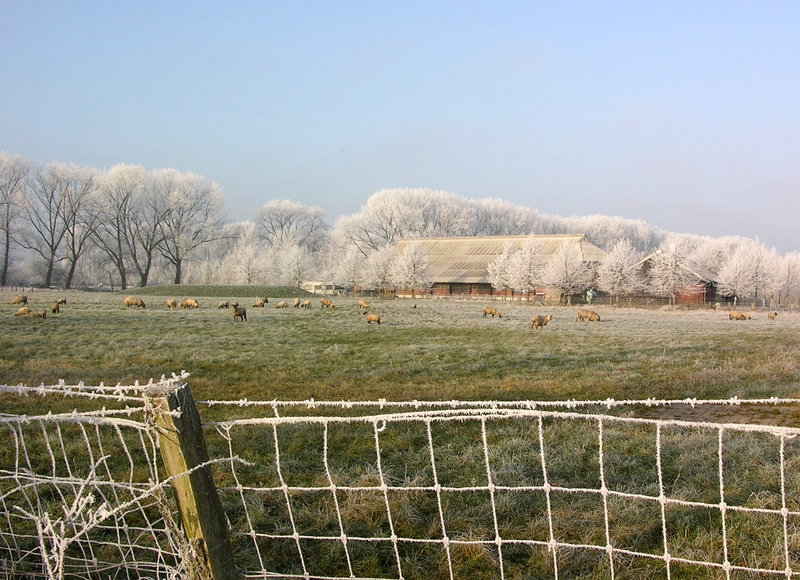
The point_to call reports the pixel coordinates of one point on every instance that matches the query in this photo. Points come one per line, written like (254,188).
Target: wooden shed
(459,266)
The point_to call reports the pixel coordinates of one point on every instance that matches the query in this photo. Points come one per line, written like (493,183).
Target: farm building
(702,288)
(459,266)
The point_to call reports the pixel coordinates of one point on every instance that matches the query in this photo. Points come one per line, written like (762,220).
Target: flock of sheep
(25,310)
(240,312)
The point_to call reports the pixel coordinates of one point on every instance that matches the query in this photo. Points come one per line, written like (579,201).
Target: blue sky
(683,114)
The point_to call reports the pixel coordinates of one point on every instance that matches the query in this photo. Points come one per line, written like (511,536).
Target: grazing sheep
(224,304)
(171,304)
(282,304)
(540,321)
(362,304)
(188,303)
(55,308)
(493,311)
(305,304)
(134,301)
(372,317)
(24,311)
(260,303)
(21,299)
(326,302)
(239,312)
(734,315)
(296,302)
(772,315)
(40,314)
(590,315)
(62,301)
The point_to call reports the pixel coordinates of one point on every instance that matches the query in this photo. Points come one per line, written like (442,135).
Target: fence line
(406,489)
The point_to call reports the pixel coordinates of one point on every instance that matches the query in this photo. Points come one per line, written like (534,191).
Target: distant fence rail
(377,489)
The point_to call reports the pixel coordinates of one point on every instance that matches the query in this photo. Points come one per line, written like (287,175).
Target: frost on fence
(494,490)
(81,494)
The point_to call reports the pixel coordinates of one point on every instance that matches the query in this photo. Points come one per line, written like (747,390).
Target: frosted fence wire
(327,485)
(379,489)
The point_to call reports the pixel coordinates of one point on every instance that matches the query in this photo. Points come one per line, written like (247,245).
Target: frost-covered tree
(246,263)
(752,271)
(81,222)
(566,270)
(194,208)
(378,269)
(350,268)
(667,275)
(120,189)
(499,269)
(616,274)
(525,268)
(13,175)
(281,222)
(57,193)
(410,269)
(292,264)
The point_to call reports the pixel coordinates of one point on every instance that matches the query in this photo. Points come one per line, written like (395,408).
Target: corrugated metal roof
(466,260)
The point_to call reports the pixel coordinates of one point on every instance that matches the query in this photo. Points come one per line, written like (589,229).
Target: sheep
(134,301)
(282,304)
(734,315)
(55,308)
(493,311)
(24,311)
(362,304)
(540,321)
(21,299)
(306,304)
(171,304)
(590,315)
(746,316)
(296,302)
(61,301)
(40,314)
(326,302)
(223,304)
(260,303)
(372,317)
(188,303)
(772,315)
(235,304)
(239,312)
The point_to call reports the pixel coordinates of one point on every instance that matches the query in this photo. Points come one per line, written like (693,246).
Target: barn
(459,266)
(702,288)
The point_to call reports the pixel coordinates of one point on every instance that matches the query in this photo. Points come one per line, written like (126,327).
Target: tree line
(64,225)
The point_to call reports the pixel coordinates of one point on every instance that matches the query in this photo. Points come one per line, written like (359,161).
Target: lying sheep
(55,308)
(224,304)
(282,304)
(188,303)
(239,312)
(40,314)
(134,301)
(305,304)
(24,311)
(171,304)
(372,317)
(590,315)
(326,302)
(540,321)
(260,303)
(362,304)
(491,310)
(21,299)
(296,302)
(772,315)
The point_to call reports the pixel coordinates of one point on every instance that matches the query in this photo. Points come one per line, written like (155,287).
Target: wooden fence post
(183,448)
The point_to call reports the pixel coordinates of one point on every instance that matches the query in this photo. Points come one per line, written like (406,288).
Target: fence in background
(124,488)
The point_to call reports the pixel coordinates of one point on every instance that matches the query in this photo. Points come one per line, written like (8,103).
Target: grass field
(438,350)
(442,350)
